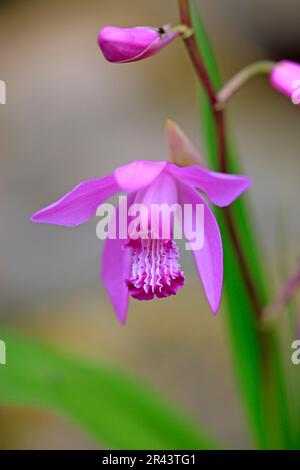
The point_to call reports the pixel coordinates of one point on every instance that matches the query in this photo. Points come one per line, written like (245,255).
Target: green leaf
(241,208)
(243,339)
(118,411)
(255,352)
(290,320)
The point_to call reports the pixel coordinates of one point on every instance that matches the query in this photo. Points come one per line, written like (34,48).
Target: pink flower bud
(131,44)
(285,77)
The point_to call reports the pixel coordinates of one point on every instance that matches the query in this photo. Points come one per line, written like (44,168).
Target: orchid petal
(162,191)
(80,204)
(209,259)
(138,174)
(159,199)
(115,269)
(221,188)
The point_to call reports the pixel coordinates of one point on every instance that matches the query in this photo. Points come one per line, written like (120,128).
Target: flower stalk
(238,80)
(183,30)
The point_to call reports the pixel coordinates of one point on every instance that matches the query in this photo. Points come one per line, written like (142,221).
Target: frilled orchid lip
(151,268)
(155,269)
(121,45)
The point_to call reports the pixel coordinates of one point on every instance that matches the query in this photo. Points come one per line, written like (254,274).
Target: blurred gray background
(71,116)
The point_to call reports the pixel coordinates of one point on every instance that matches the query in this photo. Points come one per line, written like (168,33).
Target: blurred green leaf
(118,411)
(255,352)
(290,319)
(243,340)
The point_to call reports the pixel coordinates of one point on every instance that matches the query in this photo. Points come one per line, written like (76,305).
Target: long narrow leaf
(119,412)
(256,355)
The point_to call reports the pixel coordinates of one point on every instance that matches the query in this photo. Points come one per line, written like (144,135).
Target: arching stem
(238,80)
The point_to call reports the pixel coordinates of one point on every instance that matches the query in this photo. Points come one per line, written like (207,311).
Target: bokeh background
(71,116)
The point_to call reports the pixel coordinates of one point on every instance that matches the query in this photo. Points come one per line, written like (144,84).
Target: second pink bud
(285,77)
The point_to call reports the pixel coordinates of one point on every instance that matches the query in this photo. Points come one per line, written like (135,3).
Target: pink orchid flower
(145,268)
(122,45)
(285,78)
